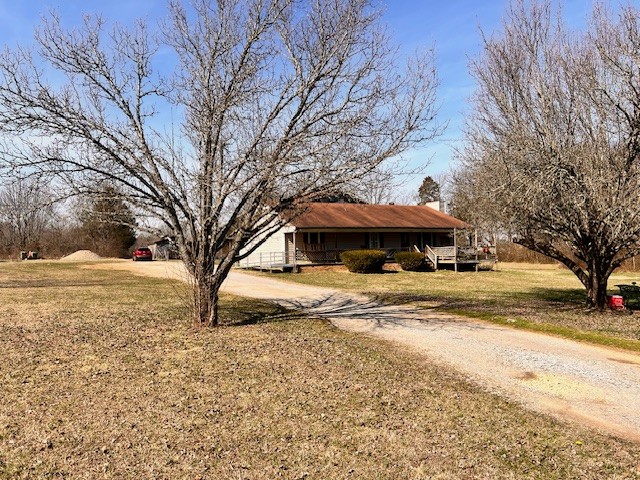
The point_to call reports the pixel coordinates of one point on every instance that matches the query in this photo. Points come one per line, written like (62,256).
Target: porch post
(295,257)
(455,251)
(476,247)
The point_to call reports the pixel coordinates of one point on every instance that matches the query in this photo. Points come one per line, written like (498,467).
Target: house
(324,230)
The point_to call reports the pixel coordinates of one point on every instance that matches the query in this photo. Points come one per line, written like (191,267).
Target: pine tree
(108,225)
(429,191)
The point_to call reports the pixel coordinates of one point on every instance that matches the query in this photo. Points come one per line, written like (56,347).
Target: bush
(410,261)
(364,261)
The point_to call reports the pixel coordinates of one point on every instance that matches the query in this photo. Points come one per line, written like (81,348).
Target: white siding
(274,245)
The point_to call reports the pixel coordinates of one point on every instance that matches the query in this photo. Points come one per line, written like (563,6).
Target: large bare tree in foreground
(271,103)
(554,141)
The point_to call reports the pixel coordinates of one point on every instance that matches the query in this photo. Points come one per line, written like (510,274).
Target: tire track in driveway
(593,385)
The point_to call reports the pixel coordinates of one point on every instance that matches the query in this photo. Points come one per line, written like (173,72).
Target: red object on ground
(616,302)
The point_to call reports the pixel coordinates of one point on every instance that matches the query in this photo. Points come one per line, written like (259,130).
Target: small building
(324,230)
(165,249)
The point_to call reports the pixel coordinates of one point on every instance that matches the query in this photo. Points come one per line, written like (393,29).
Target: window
(405,240)
(374,240)
(313,238)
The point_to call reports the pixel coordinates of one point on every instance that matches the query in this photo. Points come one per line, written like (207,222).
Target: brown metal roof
(351,215)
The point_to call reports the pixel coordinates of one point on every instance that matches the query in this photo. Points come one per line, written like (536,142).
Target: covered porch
(325,246)
(443,248)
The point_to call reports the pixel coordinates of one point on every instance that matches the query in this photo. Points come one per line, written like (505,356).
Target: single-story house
(324,230)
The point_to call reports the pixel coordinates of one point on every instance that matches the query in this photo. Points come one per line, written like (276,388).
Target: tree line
(32,219)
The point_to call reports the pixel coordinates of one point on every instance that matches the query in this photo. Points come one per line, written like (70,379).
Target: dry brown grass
(102,378)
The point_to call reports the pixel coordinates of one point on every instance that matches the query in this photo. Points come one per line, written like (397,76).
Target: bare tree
(473,196)
(275,101)
(25,213)
(378,186)
(553,145)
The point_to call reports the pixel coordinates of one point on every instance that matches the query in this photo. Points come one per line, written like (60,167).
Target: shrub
(410,261)
(364,261)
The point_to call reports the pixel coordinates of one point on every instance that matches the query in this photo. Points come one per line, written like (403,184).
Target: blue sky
(452,27)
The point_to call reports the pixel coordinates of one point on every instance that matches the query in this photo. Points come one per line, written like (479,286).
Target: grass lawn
(102,377)
(540,297)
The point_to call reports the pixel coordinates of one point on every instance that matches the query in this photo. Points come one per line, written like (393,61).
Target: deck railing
(452,252)
(319,256)
(267,260)
(444,253)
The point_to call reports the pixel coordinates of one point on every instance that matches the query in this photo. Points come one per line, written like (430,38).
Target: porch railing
(431,255)
(436,255)
(319,256)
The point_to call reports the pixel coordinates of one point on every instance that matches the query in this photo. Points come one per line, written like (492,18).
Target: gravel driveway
(570,380)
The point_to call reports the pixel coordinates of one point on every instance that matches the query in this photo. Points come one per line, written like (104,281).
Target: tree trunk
(597,293)
(596,285)
(205,295)
(207,281)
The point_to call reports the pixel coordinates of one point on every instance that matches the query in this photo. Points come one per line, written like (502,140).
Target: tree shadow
(407,298)
(558,295)
(375,313)
(254,315)
(507,303)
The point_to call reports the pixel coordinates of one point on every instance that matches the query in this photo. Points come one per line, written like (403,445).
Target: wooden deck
(459,256)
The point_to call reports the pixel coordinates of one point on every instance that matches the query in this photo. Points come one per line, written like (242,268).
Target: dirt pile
(81,256)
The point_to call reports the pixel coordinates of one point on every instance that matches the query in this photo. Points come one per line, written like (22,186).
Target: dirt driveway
(570,380)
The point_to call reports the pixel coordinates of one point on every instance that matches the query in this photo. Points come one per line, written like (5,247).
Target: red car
(142,253)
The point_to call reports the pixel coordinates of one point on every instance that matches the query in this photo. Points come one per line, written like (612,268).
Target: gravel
(81,256)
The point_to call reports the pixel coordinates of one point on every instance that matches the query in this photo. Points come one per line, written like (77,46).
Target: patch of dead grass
(103,377)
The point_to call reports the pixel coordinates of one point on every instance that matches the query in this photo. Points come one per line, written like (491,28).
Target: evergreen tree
(429,191)
(108,224)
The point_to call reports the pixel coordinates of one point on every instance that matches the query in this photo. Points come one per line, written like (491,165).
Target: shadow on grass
(403,298)
(542,298)
(383,272)
(558,295)
(237,314)
(372,313)
(52,284)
